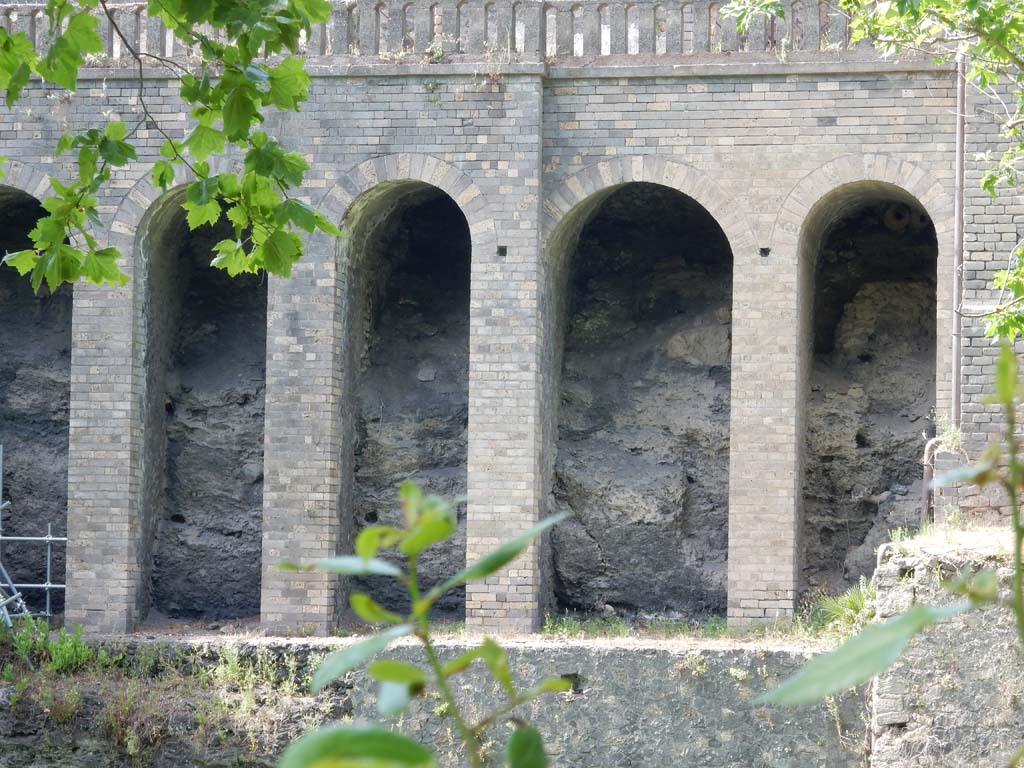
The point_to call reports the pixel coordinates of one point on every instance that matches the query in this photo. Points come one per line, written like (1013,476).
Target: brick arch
(565,200)
(137,206)
(27,178)
(813,190)
(825,194)
(338,200)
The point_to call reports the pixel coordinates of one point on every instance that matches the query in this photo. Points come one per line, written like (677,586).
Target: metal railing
(48,587)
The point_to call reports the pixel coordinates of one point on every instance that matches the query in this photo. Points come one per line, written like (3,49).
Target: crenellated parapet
(511,30)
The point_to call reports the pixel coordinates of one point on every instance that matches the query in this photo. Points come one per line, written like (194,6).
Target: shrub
(69,653)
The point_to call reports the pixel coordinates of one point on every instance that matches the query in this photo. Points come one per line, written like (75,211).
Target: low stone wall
(955,697)
(650,705)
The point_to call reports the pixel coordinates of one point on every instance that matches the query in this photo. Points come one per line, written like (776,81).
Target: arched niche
(407,255)
(868,254)
(643,307)
(205,367)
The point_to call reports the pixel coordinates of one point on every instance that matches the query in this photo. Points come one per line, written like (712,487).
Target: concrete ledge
(689,66)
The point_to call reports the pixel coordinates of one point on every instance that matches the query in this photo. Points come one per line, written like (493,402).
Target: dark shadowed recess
(872,387)
(413,391)
(208,545)
(643,421)
(35,372)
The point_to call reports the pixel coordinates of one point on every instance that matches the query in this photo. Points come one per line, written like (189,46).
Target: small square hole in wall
(765,252)
(502,251)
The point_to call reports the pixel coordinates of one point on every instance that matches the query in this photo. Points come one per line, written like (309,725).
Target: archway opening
(409,251)
(643,416)
(206,376)
(35,375)
(873,252)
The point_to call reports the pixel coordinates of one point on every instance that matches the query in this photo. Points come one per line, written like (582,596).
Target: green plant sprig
(428,520)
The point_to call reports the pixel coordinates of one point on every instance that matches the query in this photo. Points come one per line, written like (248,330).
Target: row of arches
(641,455)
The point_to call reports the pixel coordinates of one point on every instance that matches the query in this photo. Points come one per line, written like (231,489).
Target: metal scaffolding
(12,604)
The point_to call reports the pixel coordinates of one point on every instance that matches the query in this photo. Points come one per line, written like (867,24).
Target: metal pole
(49,561)
(958,236)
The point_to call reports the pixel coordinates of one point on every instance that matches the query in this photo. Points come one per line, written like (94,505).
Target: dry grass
(966,540)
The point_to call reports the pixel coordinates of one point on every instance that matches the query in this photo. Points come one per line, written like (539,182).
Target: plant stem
(469,738)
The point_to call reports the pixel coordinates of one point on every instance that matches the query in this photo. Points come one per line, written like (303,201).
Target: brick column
(505,431)
(303,472)
(505,482)
(105,572)
(766,434)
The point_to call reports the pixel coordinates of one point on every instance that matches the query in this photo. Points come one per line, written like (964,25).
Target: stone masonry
(528,115)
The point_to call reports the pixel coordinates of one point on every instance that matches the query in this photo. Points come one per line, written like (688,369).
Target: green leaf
(204,141)
(115,130)
(280,251)
(289,84)
(434,525)
(101,267)
(256,74)
(343,661)
(163,174)
(496,659)
(65,56)
(203,191)
(354,746)
(392,698)
(461,662)
(236,215)
(1006,375)
(975,474)
(65,143)
(60,264)
(370,611)
(315,11)
(231,257)
(326,226)
(17,82)
(229,185)
(23,261)
(858,659)
(371,539)
(411,497)
(348,565)
(169,150)
(392,671)
(116,152)
(198,214)
(497,559)
(298,213)
(526,749)
(980,587)
(555,685)
(239,112)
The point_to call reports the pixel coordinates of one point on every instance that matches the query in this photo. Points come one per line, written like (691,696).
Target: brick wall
(525,148)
